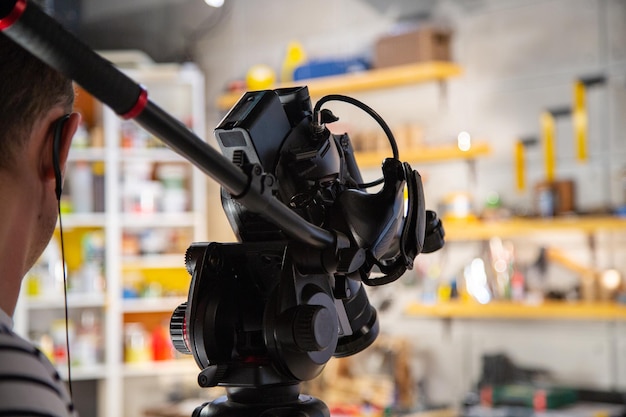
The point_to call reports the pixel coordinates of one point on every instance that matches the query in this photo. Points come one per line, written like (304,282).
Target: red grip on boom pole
(13,15)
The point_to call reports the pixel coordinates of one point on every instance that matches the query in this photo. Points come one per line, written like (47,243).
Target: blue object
(128,292)
(327,67)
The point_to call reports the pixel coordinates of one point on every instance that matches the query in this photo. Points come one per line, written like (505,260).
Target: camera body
(274,130)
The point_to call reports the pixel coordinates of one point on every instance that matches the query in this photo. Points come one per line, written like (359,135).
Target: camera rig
(268,312)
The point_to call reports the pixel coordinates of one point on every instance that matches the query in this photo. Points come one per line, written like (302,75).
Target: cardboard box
(419,45)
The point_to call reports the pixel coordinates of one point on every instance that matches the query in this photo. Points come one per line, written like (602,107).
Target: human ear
(63,130)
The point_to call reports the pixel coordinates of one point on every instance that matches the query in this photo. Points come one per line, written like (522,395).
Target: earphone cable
(67,326)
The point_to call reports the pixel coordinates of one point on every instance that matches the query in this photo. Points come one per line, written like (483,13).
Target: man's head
(28,90)
(33,98)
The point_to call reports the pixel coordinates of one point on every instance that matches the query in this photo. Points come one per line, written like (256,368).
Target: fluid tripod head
(271,311)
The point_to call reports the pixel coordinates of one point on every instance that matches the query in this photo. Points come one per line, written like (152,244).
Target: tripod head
(271,311)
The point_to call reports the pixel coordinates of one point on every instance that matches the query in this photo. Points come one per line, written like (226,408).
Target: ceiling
(164,29)
(167,29)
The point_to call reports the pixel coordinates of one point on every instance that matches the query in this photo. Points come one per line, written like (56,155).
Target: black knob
(313,328)
(434,237)
(178,329)
(211,375)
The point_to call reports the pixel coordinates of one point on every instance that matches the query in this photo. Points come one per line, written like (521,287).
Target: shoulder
(29,383)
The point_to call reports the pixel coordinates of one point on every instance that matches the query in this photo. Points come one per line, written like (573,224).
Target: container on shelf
(136,343)
(173,178)
(45,279)
(81,183)
(87,348)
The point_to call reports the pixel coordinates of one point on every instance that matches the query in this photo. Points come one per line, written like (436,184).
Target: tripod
(258,326)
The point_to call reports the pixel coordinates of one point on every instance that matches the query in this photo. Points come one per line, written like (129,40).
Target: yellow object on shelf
(548,130)
(260,77)
(579,116)
(294,57)
(367,80)
(520,166)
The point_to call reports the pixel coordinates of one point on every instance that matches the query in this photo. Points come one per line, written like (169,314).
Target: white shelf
(83,373)
(150,155)
(87,154)
(161,368)
(127,155)
(141,220)
(151,305)
(155,261)
(71,220)
(74,300)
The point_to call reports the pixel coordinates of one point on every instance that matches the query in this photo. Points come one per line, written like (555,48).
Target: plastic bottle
(136,346)
(81,186)
(87,339)
(162,348)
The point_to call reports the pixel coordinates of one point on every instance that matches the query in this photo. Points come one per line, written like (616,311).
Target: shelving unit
(180,91)
(375,79)
(580,339)
(479,230)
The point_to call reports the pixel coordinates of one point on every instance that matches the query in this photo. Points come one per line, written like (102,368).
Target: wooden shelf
(458,230)
(427,154)
(365,81)
(510,310)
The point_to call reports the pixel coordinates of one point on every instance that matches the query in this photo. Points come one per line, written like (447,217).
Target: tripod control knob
(434,234)
(178,329)
(313,328)
(211,375)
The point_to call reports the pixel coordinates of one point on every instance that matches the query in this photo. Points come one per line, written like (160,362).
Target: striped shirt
(29,383)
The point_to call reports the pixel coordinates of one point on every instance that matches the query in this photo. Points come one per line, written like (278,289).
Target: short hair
(28,89)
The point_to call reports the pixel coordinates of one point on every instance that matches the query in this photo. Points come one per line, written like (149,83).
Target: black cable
(67,326)
(381,122)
